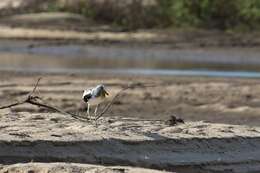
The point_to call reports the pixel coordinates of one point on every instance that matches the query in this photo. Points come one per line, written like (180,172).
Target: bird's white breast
(95,101)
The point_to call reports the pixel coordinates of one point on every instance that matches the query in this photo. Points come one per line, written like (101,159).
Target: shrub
(135,14)
(218,14)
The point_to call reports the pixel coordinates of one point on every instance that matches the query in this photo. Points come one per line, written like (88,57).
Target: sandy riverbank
(193,147)
(67,27)
(203,143)
(221,133)
(72,167)
(217,100)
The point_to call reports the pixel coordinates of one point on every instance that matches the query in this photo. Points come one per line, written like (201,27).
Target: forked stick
(13,104)
(131,86)
(35,86)
(29,97)
(33,100)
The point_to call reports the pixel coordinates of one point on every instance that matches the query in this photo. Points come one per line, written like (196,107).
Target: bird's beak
(106,93)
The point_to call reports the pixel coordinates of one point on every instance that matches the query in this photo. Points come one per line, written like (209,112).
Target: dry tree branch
(13,104)
(35,86)
(109,104)
(33,100)
(131,86)
(29,97)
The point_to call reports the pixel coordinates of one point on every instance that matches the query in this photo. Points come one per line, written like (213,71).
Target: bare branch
(13,104)
(33,100)
(26,99)
(35,86)
(53,108)
(131,86)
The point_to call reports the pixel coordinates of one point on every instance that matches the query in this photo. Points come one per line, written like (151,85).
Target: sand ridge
(72,167)
(52,137)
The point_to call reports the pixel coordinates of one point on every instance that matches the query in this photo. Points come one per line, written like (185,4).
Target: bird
(94,96)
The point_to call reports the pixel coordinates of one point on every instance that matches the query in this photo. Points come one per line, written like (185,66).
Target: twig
(33,100)
(131,86)
(13,104)
(46,106)
(35,86)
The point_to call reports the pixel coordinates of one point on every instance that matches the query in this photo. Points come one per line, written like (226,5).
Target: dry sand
(32,134)
(216,100)
(71,167)
(203,144)
(190,147)
(129,134)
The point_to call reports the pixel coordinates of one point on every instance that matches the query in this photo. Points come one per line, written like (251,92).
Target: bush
(250,13)
(131,16)
(217,14)
(134,14)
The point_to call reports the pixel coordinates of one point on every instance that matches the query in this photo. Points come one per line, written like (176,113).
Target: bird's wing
(100,91)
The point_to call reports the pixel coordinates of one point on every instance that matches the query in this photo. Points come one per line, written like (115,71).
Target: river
(45,57)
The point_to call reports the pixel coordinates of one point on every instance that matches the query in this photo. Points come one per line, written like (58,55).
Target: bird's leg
(96,110)
(88,108)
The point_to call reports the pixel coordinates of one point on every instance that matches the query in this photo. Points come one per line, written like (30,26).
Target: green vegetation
(209,14)
(219,14)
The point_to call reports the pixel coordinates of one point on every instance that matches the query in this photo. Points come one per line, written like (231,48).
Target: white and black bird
(94,96)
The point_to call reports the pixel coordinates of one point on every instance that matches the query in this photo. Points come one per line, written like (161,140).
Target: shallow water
(126,59)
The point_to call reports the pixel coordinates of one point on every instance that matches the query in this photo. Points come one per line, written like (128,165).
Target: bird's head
(105,92)
(86,95)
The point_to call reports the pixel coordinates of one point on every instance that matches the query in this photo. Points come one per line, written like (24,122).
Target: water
(156,60)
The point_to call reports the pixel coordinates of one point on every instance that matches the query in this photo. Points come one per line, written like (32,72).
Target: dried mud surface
(129,135)
(216,100)
(71,167)
(190,147)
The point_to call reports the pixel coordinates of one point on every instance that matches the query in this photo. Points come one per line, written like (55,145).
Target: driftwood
(131,86)
(38,101)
